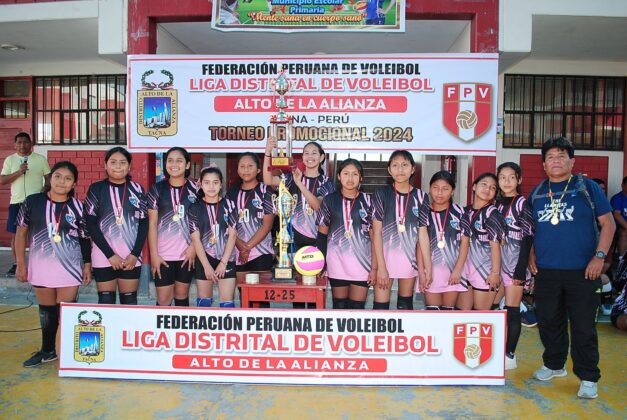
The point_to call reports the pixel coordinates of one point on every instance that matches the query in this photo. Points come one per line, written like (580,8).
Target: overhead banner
(309,15)
(283,346)
(432,104)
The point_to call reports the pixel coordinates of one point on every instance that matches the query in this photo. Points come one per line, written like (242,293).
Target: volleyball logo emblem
(466,120)
(472,351)
(472,343)
(309,261)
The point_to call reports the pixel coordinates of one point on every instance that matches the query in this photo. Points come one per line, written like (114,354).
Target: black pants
(563,296)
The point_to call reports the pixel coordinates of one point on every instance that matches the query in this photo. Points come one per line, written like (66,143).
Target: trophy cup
(284,203)
(281,126)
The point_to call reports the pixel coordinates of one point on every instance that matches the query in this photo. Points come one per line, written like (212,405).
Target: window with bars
(14,98)
(80,109)
(590,111)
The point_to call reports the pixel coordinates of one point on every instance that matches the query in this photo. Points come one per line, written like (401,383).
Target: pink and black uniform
(445,227)
(212,221)
(482,226)
(173,237)
(349,253)
(393,210)
(304,217)
(117,222)
(518,239)
(58,241)
(251,206)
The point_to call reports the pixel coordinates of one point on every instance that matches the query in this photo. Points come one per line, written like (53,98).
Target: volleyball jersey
(448,228)
(212,222)
(173,205)
(107,202)
(304,218)
(482,226)
(397,209)
(53,263)
(349,255)
(519,223)
(251,206)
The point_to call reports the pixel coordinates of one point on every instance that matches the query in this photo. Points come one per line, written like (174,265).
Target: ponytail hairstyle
(350,161)
(186,155)
(124,152)
(255,159)
(206,171)
(321,151)
(513,166)
(61,164)
(408,156)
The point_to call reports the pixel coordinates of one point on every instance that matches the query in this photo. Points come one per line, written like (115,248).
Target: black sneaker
(40,357)
(11,272)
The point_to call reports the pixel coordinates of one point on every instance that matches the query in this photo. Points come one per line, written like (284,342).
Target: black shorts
(108,274)
(301,240)
(14,209)
(263,262)
(174,273)
(213,262)
(346,283)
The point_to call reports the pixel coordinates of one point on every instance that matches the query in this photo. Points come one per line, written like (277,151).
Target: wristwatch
(600,254)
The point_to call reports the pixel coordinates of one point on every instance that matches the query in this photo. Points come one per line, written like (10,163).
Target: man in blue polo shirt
(619,208)
(569,254)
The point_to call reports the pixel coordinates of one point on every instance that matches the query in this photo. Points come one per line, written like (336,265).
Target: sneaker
(606,308)
(587,389)
(11,272)
(528,318)
(510,363)
(40,357)
(546,374)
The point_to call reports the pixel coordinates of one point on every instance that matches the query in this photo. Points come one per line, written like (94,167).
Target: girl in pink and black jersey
(59,260)
(213,224)
(117,221)
(484,226)
(515,252)
(345,237)
(398,228)
(255,213)
(448,247)
(172,254)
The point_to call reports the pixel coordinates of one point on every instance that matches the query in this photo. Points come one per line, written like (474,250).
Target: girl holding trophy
(399,226)
(212,223)
(345,237)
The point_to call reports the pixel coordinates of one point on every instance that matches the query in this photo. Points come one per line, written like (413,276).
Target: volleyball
(360,6)
(466,119)
(308,261)
(472,351)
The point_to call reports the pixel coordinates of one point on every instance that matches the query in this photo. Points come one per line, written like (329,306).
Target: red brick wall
(90,166)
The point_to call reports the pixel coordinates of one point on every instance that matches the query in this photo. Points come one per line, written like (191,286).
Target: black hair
(124,152)
(350,161)
(405,154)
(625,180)
(61,164)
(186,155)
(321,151)
(23,134)
(206,171)
(485,175)
(561,143)
(254,157)
(516,168)
(444,176)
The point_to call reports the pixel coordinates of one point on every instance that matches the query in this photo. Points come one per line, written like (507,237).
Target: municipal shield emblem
(472,343)
(467,109)
(89,338)
(157,107)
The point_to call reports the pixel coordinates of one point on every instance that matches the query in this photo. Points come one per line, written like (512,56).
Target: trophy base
(283,163)
(283,275)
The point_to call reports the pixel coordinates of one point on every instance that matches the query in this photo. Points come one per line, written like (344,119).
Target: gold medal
(176,217)
(119,221)
(56,238)
(441,244)
(213,240)
(401,228)
(241,215)
(310,211)
(348,234)
(555,220)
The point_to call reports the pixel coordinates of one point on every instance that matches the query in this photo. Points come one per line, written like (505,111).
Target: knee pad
(48,315)
(447,308)
(432,308)
(405,303)
(106,298)
(204,302)
(381,305)
(227,304)
(340,303)
(356,304)
(129,298)
(181,302)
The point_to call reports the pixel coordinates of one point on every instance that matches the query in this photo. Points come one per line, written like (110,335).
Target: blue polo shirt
(571,243)
(619,203)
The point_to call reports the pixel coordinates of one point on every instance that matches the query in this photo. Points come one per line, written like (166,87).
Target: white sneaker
(587,389)
(510,364)
(546,374)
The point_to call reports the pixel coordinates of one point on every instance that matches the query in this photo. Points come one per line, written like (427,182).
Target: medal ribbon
(439,228)
(305,203)
(555,208)
(175,195)
(509,210)
(118,204)
(347,210)
(400,216)
(56,220)
(243,199)
(213,217)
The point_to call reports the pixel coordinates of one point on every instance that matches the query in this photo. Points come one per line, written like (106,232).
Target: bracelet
(222,262)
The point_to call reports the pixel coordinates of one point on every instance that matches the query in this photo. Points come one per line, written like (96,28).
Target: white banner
(283,346)
(432,104)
